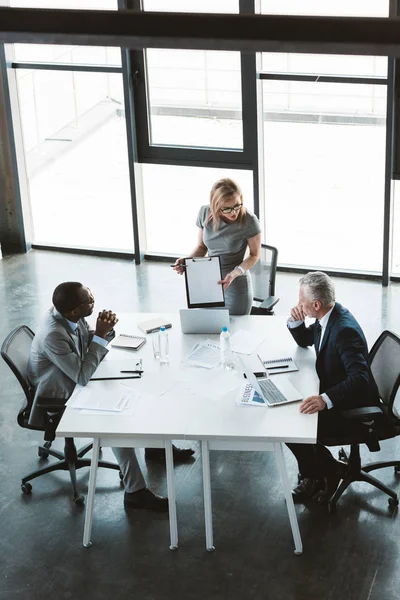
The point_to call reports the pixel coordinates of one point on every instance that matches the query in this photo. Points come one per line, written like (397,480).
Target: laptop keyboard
(271,392)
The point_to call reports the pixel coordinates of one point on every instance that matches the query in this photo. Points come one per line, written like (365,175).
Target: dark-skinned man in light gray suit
(64,353)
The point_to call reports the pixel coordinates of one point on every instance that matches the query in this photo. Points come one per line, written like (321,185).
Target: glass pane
(396,230)
(195,98)
(72,4)
(76,153)
(91,55)
(325,64)
(195,6)
(173,196)
(329,8)
(324,166)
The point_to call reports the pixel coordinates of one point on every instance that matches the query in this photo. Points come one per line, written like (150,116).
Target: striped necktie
(317,339)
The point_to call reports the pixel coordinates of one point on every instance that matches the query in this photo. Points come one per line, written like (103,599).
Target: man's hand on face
(312,405)
(105,322)
(297,313)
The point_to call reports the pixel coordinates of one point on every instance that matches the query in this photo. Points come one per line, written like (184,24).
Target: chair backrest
(384,359)
(15,351)
(264,272)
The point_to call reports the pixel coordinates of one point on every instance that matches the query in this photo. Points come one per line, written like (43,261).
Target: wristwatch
(241,269)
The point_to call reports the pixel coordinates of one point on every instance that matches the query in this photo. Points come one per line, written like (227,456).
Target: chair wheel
(120,475)
(79,499)
(26,488)
(393,502)
(332,508)
(342,455)
(397,469)
(42,454)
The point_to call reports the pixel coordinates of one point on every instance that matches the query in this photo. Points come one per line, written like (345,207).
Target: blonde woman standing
(227,230)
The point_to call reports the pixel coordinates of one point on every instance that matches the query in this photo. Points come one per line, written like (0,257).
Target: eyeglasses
(90,300)
(231,209)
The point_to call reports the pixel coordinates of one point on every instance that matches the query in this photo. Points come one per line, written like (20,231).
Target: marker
(282,367)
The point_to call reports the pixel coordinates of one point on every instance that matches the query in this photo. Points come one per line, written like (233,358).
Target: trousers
(132,474)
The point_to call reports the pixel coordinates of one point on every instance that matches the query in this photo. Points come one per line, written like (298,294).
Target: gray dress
(229,242)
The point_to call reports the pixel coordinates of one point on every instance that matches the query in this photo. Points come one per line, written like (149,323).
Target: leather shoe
(179,454)
(306,489)
(146,499)
(331,483)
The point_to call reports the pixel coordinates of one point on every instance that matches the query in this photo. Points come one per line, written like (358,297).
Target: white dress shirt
(97,339)
(323,322)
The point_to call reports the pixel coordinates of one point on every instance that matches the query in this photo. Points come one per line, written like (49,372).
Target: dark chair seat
(376,423)
(15,351)
(263,276)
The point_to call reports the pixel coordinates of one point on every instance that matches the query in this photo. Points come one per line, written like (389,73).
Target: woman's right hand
(179,266)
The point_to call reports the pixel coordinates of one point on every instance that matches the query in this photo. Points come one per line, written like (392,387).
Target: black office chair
(377,423)
(263,277)
(15,351)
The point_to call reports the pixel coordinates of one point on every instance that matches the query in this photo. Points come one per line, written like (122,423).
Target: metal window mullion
(322,78)
(39,66)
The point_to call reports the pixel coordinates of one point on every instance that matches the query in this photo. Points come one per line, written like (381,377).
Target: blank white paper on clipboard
(202,287)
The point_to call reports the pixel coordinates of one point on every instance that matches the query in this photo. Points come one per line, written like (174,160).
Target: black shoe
(331,483)
(145,499)
(179,454)
(306,489)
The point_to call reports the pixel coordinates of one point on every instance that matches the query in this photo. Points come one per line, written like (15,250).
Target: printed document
(205,354)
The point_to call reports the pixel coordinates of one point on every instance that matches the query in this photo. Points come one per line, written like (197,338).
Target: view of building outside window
(324,143)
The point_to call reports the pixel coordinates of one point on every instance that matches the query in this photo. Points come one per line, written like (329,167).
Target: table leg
(90,497)
(298,546)
(173,523)
(205,459)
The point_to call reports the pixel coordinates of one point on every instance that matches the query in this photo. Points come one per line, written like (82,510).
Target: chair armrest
(269,303)
(366,413)
(51,404)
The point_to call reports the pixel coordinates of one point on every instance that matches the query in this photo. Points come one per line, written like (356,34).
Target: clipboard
(201,276)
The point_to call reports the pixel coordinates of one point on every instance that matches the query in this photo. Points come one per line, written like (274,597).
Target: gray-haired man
(345,380)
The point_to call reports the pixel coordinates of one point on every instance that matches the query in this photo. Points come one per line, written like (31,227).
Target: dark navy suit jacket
(342,362)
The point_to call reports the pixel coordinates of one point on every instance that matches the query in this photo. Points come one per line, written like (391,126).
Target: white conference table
(176,401)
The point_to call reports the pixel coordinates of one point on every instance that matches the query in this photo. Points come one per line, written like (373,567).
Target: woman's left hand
(226,282)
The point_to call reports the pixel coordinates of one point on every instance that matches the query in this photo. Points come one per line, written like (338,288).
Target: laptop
(274,393)
(203,320)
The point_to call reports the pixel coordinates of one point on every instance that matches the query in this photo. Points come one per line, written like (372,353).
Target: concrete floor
(353,555)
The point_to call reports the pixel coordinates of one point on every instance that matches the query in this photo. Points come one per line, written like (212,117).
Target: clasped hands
(105,322)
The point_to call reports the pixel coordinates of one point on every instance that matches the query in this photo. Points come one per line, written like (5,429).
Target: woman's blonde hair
(222,191)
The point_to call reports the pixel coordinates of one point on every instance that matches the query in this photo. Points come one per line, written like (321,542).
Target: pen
(281,367)
(183,266)
(131,371)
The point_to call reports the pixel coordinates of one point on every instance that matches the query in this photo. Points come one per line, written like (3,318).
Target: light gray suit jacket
(55,365)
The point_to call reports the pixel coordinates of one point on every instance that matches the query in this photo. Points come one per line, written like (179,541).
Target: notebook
(279,365)
(154,325)
(274,393)
(130,342)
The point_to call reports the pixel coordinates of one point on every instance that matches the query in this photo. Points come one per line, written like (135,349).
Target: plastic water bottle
(164,346)
(227,359)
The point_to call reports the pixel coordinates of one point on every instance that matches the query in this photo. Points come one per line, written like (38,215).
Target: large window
(324,165)
(76,152)
(173,197)
(195,98)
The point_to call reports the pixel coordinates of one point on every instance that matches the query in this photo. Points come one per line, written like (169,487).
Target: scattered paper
(205,354)
(245,342)
(86,399)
